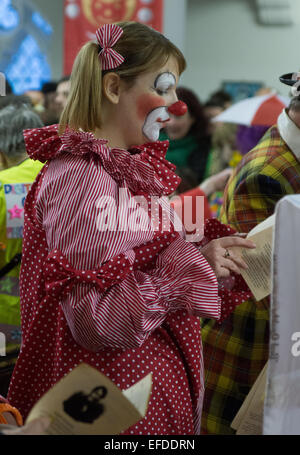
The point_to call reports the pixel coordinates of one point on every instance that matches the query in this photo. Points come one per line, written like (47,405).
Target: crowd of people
(130,302)
(48,102)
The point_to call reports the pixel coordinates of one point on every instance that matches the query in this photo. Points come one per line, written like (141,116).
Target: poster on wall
(83,17)
(240,90)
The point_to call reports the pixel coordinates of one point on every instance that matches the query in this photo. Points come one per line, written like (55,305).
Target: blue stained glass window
(29,68)
(21,59)
(9,17)
(41,23)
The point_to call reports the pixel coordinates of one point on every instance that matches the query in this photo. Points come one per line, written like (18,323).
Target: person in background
(230,142)
(189,150)
(15,100)
(223,135)
(51,112)
(62,93)
(49,91)
(236,351)
(18,172)
(220,98)
(189,188)
(235,141)
(190,142)
(217,103)
(37,100)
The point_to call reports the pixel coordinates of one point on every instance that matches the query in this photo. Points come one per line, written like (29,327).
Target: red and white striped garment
(126,302)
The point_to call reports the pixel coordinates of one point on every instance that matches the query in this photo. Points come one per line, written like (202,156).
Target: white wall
(225,42)
(52,11)
(175,22)
(221,39)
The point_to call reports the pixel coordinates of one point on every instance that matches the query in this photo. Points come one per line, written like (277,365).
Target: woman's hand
(222,259)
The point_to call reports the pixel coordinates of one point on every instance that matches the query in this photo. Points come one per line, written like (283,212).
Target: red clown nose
(179,108)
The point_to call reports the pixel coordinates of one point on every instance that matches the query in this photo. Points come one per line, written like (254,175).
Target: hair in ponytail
(83,109)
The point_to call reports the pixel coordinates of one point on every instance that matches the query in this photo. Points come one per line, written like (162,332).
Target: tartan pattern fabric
(236,351)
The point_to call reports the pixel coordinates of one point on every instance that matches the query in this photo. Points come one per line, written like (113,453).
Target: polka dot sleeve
(126,314)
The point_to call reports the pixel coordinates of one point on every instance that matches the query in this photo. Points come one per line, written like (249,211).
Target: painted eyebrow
(162,74)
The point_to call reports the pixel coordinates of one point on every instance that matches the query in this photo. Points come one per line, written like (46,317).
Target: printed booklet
(85,402)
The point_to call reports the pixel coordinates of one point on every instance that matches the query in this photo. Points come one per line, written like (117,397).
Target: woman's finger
(229,264)
(221,272)
(231,241)
(229,255)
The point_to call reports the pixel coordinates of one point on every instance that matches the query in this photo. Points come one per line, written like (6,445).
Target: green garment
(208,170)
(188,153)
(180,149)
(23,173)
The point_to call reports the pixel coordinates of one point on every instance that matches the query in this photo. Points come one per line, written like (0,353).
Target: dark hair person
(190,141)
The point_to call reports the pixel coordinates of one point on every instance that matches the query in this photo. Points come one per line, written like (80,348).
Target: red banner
(83,17)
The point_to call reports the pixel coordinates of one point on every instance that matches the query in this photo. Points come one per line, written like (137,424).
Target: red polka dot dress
(99,284)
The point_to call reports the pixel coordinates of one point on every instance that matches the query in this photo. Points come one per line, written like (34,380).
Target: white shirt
(289,132)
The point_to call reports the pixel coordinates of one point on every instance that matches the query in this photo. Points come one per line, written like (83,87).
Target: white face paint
(163,82)
(156,118)
(154,123)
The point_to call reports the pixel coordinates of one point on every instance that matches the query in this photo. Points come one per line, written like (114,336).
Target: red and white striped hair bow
(107,36)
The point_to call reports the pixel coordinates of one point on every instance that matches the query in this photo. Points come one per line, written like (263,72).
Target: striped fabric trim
(107,36)
(126,314)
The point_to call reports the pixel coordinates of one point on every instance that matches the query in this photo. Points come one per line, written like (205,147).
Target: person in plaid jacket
(236,351)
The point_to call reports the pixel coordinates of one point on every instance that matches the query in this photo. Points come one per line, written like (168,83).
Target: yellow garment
(24,173)
(235,159)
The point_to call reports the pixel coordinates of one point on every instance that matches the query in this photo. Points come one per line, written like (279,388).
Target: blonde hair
(143,49)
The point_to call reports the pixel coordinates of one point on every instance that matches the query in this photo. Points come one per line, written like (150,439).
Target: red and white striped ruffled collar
(144,168)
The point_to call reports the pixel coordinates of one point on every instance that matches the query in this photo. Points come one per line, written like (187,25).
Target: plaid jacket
(236,351)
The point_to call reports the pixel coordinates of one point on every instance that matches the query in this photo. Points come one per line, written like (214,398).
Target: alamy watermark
(157,214)
(295,349)
(2,85)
